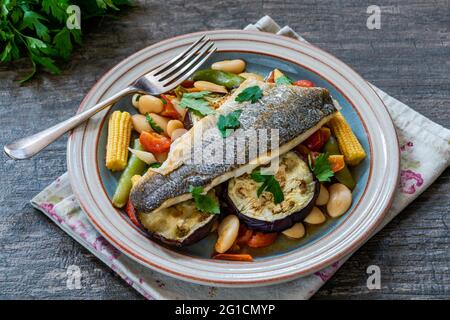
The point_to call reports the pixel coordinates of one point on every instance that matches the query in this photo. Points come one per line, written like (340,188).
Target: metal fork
(162,79)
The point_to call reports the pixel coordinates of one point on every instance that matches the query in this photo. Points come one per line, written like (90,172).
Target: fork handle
(29,146)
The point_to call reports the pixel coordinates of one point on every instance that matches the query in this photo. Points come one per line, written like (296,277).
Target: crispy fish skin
(296,112)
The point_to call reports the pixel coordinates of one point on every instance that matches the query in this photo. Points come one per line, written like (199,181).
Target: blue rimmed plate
(376,176)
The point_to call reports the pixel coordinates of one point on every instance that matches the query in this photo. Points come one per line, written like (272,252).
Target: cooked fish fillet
(296,112)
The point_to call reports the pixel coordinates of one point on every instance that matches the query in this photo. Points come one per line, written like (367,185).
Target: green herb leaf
(155,165)
(37,29)
(55,8)
(252,94)
(203,202)
(63,43)
(322,168)
(153,124)
(283,80)
(32,20)
(179,91)
(195,101)
(47,63)
(269,184)
(196,95)
(225,124)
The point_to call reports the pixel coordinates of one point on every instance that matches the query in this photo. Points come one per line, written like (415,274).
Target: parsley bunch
(37,29)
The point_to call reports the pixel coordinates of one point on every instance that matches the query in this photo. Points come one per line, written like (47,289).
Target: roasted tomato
(154,142)
(259,239)
(337,162)
(318,139)
(131,213)
(233,256)
(315,141)
(169,110)
(326,134)
(304,83)
(244,235)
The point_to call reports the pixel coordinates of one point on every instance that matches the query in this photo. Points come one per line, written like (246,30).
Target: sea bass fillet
(294,111)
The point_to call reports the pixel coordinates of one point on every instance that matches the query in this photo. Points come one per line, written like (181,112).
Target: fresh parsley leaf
(153,124)
(322,168)
(203,202)
(195,101)
(155,165)
(55,8)
(283,80)
(196,95)
(104,4)
(47,63)
(63,43)
(252,94)
(225,124)
(269,184)
(33,20)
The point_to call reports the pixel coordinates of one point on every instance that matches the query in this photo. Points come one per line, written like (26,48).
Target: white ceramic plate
(377,176)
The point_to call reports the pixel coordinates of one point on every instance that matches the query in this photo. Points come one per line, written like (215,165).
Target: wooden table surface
(409,57)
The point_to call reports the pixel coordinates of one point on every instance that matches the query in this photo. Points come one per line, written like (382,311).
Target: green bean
(222,78)
(344,176)
(134,166)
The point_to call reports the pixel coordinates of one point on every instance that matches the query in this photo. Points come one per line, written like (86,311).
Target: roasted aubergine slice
(300,190)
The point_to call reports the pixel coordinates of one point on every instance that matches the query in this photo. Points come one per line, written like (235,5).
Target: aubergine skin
(196,236)
(180,225)
(276,225)
(188,122)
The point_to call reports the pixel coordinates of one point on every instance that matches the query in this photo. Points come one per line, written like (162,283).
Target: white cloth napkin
(425,154)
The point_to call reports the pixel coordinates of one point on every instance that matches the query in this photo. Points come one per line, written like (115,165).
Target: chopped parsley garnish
(153,124)
(322,168)
(196,95)
(197,103)
(252,94)
(227,123)
(269,184)
(283,80)
(155,165)
(203,202)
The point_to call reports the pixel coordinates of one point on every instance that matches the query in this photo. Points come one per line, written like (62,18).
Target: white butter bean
(140,123)
(135,100)
(173,125)
(177,133)
(209,86)
(233,66)
(340,200)
(315,217)
(150,104)
(160,121)
(227,231)
(323,197)
(254,76)
(297,231)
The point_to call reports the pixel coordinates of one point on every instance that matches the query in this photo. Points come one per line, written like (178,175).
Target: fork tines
(183,65)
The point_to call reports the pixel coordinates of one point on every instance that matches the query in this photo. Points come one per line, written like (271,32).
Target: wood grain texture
(408,57)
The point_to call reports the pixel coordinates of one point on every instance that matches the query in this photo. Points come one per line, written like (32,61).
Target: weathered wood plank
(408,57)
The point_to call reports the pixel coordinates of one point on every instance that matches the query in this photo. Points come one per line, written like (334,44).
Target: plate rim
(362,238)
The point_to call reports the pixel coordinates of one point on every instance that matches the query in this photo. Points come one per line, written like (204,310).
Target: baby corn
(119,132)
(348,143)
